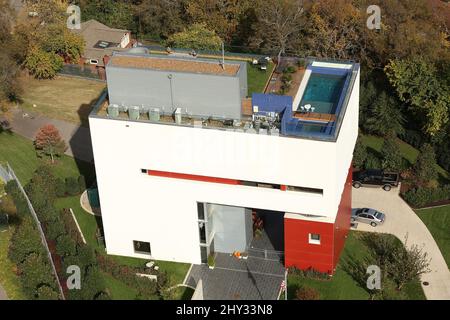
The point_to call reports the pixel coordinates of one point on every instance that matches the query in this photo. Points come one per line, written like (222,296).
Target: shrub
(81,183)
(289,69)
(413,137)
(46,292)
(301,63)
(425,165)
(372,161)
(392,158)
(359,155)
(60,187)
(48,213)
(307,293)
(54,229)
(72,186)
(309,273)
(25,241)
(421,196)
(35,272)
(65,246)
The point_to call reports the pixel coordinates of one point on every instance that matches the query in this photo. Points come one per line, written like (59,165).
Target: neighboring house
(183,172)
(101,41)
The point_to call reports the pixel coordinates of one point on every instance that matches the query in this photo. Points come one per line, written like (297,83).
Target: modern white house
(183,172)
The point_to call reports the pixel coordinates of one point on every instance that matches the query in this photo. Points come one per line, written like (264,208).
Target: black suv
(387,180)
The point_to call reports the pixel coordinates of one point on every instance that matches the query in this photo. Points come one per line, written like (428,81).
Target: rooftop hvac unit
(133,113)
(113,110)
(154,114)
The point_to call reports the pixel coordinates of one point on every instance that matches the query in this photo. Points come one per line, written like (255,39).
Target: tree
(222,16)
(116,14)
(196,37)
(43,64)
(323,38)
(35,272)
(49,142)
(425,165)
(72,186)
(160,19)
(278,21)
(56,38)
(360,154)
(383,116)
(391,156)
(407,264)
(7,206)
(65,246)
(417,83)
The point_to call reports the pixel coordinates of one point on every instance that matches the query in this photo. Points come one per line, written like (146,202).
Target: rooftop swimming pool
(323,92)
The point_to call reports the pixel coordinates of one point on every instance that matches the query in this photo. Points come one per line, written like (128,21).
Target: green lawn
(408,152)
(20,154)
(8,279)
(342,286)
(257,78)
(89,224)
(117,289)
(437,221)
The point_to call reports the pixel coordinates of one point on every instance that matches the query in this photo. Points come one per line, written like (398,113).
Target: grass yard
(89,224)
(8,279)
(342,286)
(20,154)
(62,98)
(257,78)
(437,221)
(408,152)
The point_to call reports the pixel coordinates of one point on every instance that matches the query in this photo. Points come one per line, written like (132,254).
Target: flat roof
(175,65)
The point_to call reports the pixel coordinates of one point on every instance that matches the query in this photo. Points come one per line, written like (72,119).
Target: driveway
(402,221)
(78,139)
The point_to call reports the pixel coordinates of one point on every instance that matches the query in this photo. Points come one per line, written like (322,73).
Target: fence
(12,176)
(80,71)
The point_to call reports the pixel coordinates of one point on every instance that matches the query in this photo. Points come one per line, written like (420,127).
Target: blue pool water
(323,92)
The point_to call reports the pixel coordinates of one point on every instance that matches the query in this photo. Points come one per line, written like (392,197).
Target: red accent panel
(301,254)
(325,256)
(342,223)
(283,187)
(185,176)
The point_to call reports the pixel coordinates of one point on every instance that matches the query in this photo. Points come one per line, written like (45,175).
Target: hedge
(28,253)
(420,197)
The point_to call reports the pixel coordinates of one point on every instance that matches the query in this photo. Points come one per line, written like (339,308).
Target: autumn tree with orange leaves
(48,142)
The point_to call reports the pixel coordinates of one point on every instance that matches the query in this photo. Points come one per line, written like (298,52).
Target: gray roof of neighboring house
(93,32)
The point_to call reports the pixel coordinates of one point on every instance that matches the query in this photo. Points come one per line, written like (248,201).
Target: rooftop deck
(315,112)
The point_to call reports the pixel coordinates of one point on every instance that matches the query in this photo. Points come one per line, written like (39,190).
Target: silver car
(369,216)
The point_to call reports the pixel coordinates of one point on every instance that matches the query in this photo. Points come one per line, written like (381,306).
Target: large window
(201,211)
(202,231)
(142,247)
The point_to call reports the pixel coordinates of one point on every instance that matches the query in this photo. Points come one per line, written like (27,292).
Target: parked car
(375,178)
(369,216)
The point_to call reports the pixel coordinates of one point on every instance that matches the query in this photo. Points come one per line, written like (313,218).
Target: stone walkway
(78,139)
(233,279)
(402,221)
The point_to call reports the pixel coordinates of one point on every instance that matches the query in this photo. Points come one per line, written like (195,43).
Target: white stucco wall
(163,211)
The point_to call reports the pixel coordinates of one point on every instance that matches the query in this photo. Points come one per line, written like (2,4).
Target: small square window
(144,170)
(142,247)
(314,238)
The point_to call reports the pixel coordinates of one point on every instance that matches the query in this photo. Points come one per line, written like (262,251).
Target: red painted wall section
(325,256)
(303,255)
(342,223)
